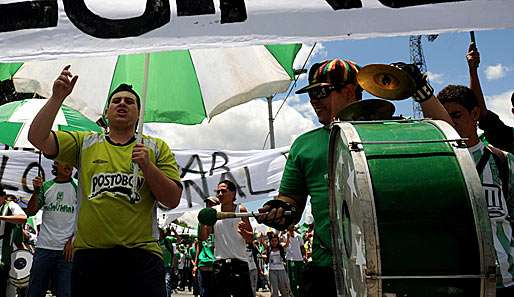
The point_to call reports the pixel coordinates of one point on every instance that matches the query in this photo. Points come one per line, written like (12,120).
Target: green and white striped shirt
(500,210)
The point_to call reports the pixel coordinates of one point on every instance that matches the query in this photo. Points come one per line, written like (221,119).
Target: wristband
(289,220)
(423,93)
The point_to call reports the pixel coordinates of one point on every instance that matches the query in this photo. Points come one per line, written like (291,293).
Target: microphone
(209,216)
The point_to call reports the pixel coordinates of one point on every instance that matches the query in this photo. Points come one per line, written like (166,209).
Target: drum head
(21,263)
(346,201)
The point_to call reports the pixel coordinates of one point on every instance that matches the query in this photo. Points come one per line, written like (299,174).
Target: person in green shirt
(117,234)
(332,87)
(204,258)
(166,243)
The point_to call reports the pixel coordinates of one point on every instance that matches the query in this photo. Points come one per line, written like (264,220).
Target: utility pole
(270,121)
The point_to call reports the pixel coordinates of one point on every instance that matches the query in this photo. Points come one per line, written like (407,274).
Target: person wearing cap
(205,259)
(116,240)
(11,214)
(231,272)
(332,86)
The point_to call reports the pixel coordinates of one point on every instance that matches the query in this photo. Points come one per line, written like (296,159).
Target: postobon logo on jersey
(116,183)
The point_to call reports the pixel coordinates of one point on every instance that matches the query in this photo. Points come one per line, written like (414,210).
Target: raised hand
(473,56)
(64,84)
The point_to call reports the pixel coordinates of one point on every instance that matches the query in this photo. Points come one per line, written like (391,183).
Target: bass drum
(21,262)
(408,214)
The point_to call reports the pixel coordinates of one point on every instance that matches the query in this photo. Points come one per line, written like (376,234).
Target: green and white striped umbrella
(16,117)
(183,86)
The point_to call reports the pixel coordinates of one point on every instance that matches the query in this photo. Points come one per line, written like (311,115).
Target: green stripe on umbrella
(16,117)
(183,86)
(8,70)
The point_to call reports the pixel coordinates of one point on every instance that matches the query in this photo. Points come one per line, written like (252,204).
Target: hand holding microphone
(209,216)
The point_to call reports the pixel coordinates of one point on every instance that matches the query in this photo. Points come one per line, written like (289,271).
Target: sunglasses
(222,191)
(321,92)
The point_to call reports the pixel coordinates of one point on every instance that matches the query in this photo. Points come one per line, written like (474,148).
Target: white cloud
(319,53)
(496,71)
(243,127)
(435,77)
(502,106)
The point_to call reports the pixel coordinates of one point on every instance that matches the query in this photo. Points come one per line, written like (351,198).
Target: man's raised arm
(39,132)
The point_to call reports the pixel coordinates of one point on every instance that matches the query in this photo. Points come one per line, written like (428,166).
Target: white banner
(256,173)
(45,29)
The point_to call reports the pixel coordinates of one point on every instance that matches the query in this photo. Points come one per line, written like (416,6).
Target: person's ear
(475,113)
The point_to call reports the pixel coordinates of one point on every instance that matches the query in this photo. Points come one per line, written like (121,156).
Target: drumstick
(209,216)
(473,44)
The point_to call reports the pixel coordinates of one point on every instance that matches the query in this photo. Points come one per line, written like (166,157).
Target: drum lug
(491,272)
(355,146)
(461,143)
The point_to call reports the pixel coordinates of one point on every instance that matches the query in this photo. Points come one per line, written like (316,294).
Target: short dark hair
(512,99)
(126,88)
(2,190)
(458,94)
(230,185)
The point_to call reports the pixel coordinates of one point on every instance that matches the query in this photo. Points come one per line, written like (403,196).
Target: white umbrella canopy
(16,118)
(183,86)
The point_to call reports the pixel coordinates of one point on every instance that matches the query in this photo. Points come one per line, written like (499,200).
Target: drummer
(332,87)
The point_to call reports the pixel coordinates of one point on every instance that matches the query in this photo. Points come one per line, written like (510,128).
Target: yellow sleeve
(68,146)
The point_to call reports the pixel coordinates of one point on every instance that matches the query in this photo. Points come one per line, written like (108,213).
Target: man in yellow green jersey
(116,238)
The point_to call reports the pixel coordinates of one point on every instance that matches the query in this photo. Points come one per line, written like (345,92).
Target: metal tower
(417,58)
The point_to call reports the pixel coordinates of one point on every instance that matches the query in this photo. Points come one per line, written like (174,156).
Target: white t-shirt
(293,252)
(58,200)
(15,210)
(181,261)
(275,261)
(229,244)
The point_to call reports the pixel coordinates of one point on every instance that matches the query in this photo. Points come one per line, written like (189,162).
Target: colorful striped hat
(331,72)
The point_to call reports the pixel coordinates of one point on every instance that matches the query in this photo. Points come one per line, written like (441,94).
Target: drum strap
(483,160)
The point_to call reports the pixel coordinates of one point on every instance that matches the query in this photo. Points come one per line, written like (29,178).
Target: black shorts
(117,272)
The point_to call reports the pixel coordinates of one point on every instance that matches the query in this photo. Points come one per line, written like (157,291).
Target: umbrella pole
(39,164)
(270,120)
(139,134)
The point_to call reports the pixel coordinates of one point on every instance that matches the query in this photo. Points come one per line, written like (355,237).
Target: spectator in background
(166,243)
(205,258)
(54,247)
(295,257)
(252,265)
(279,282)
(10,214)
